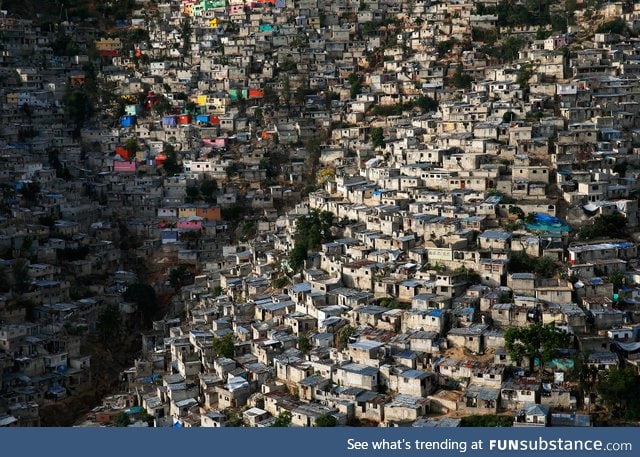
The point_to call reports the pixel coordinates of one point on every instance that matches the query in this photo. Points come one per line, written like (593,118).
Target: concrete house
(357,375)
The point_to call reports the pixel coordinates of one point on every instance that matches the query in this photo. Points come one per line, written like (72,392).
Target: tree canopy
(79,106)
(521,262)
(223,347)
(615,386)
(617,25)
(461,80)
(170,165)
(487,420)
(121,420)
(377,137)
(283,419)
(536,341)
(605,225)
(177,276)
(132,145)
(144,296)
(326,420)
(31,192)
(355,85)
(208,188)
(311,231)
(304,344)
(344,334)
(108,323)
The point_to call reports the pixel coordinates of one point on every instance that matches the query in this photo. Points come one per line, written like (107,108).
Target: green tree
(426,103)
(390,110)
(443,47)
(545,266)
(618,26)
(542,34)
(525,72)
(146,417)
(5,279)
(315,228)
(21,279)
(586,376)
(217,291)
(486,420)
(208,189)
(304,344)
(286,90)
(311,231)
(508,117)
(234,212)
(377,137)
(530,218)
(144,296)
(233,417)
(109,323)
(224,347)
(355,85)
(617,279)
(186,31)
(193,194)
(297,256)
(535,341)
(121,420)
(389,302)
(258,115)
(132,146)
(289,65)
(559,23)
(63,44)
(461,80)
(232,170)
(605,225)
(510,48)
(621,168)
(521,262)
(326,420)
(279,283)
(344,334)
(53,157)
(513,209)
(79,107)
(616,387)
(313,148)
(30,192)
(273,163)
(191,107)
(271,97)
(282,420)
(161,105)
(512,13)
(170,165)
(176,276)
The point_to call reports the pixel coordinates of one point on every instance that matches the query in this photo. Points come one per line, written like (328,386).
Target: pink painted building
(124,167)
(190,223)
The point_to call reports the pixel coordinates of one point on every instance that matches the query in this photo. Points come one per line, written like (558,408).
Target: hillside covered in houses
(305,213)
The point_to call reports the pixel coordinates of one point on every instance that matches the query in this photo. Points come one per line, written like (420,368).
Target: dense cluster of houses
(439,161)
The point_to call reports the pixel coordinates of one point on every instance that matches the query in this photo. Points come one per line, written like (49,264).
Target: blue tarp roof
(547,223)
(134,410)
(150,379)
